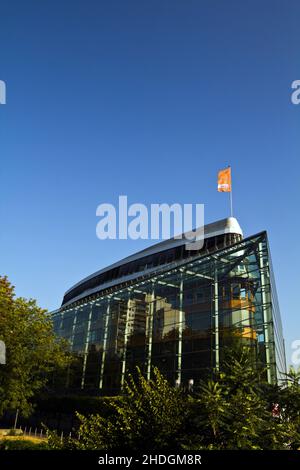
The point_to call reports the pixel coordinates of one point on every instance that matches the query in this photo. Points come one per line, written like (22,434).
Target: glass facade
(177,318)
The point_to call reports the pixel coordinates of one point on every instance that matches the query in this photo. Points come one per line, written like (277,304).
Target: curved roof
(220,227)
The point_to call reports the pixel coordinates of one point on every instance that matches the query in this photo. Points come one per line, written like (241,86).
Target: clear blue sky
(149,99)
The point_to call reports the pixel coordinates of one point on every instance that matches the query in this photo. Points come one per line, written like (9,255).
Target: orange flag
(224,180)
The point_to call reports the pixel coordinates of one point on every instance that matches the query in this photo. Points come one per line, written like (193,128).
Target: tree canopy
(32,350)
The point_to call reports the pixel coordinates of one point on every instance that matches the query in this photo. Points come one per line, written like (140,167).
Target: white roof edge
(228,225)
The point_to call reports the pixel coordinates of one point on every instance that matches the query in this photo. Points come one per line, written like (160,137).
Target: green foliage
(149,416)
(232,411)
(54,442)
(32,350)
(289,400)
(209,413)
(290,395)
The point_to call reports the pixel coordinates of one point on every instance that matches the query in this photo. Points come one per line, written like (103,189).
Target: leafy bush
(150,416)
(231,411)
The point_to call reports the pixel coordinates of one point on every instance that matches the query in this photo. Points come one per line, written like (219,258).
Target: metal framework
(178,319)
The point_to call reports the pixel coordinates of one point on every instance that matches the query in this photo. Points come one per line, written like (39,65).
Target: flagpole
(230,194)
(225,185)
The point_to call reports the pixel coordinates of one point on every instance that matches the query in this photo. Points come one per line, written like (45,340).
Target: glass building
(174,308)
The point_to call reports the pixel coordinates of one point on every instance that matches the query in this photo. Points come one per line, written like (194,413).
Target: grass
(21,442)
(33,439)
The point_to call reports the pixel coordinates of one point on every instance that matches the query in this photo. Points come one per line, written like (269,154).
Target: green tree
(233,412)
(289,402)
(150,415)
(32,350)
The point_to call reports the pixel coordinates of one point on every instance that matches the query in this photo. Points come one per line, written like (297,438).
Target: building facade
(175,309)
